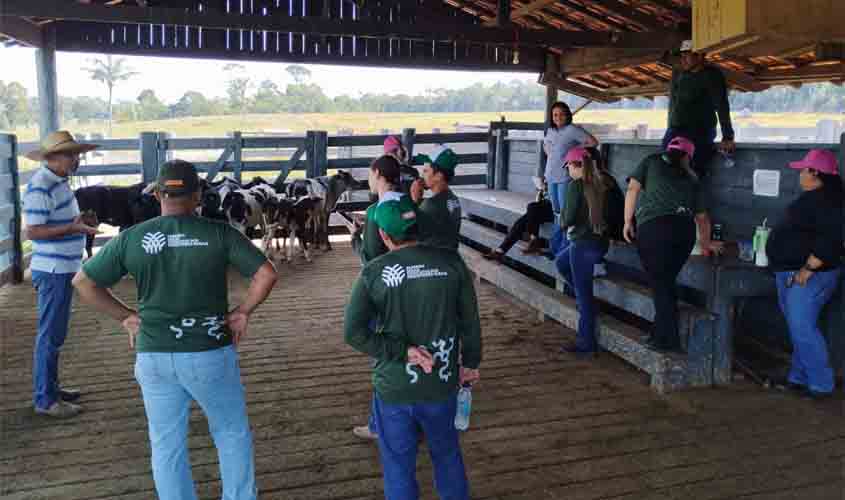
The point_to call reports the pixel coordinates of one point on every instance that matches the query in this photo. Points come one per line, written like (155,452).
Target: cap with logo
(441,157)
(178,178)
(686,46)
(680,143)
(576,154)
(396,217)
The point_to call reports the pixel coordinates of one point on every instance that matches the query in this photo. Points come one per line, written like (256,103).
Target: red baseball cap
(821,160)
(392,143)
(576,154)
(682,144)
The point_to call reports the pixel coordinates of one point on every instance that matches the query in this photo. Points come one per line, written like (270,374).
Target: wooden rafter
(21,30)
(630,13)
(443,31)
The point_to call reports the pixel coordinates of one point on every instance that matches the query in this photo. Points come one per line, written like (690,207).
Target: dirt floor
(543,425)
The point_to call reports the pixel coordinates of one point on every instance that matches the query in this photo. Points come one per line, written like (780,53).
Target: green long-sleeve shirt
(422,296)
(696,98)
(575,219)
(372,245)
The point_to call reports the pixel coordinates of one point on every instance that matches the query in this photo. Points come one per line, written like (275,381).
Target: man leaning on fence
(184,332)
(57,232)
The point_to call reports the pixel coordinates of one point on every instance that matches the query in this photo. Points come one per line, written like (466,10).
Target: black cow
(119,206)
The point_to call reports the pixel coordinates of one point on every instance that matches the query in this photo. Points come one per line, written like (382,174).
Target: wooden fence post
(408,138)
(491,155)
(501,176)
(17,224)
(163,150)
(237,155)
(149,156)
(317,144)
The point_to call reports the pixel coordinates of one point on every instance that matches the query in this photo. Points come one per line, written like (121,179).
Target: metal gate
(11,252)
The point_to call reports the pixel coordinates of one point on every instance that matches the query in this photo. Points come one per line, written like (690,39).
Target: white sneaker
(599,270)
(60,409)
(364,432)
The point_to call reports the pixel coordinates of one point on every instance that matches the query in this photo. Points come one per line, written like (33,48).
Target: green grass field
(368,123)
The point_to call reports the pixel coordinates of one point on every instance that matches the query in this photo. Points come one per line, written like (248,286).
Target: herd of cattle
(298,209)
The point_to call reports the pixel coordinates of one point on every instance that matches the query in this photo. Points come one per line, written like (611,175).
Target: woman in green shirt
(668,192)
(384,180)
(583,221)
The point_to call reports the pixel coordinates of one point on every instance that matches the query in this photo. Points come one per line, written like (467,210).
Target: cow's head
(236,210)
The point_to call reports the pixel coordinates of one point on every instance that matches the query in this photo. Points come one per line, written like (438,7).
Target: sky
(171,78)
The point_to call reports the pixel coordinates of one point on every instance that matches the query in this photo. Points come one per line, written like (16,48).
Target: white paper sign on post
(767,183)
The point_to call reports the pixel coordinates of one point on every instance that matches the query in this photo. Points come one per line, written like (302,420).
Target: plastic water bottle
(728,160)
(464,408)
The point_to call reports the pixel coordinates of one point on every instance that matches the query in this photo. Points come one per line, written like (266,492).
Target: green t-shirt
(372,245)
(440,220)
(665,191)
(696,98)
(179,264)
(576,215)
(422,296)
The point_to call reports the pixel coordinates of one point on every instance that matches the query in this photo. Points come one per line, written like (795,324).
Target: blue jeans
(400,426)
(54,299)
(801,305)
(169,382)
(704,141)
(557,195)
(575,264)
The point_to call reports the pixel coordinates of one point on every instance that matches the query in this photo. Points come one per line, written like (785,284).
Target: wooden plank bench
(696,324)
(668,371)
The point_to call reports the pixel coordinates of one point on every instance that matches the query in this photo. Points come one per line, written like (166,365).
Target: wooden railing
(308,153)
(11,252)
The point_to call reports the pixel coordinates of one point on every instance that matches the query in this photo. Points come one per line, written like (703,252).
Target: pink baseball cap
(820,160)
(576,154)
(682,144)
(391,144)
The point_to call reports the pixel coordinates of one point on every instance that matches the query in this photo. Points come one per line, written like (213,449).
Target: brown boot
(494,255)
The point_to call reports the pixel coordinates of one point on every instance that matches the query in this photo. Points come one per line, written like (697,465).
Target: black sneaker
(818,396)
(69,395)
(784,383)
(494,255)
(572,348)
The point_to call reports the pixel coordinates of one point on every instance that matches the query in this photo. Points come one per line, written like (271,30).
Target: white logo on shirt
(393,276)
(153,243)
(453,205)
(441,354)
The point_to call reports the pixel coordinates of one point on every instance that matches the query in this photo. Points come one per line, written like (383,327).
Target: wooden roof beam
(21,30)
(743,81)
(442,31)
(629,12)
(591,60)
(595,16)
(575,88)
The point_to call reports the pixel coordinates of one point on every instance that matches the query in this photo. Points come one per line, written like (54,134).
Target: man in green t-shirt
(428,314)
(440,214)
(183,331)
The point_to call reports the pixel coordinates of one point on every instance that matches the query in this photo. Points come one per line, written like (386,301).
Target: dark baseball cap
(178,178)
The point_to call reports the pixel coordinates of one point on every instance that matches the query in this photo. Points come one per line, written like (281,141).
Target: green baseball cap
(442,158)
(178,178)
(396,217)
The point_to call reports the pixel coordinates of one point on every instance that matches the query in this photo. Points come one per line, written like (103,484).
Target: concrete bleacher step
(668,371)
(491,238)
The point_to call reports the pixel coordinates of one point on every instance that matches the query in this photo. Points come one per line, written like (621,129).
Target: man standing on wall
(427,310)
(184,332)
(440,215)
(698,94)
(57,232)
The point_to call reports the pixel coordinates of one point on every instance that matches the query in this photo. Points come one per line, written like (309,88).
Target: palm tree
(111,71)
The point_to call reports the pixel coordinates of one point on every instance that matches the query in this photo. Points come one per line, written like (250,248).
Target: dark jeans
(536,214)
(664,245)
(704,141)
(399,426)
(575,264)
(54,303)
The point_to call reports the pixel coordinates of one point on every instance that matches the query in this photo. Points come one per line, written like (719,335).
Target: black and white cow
(243,211)
(119,206)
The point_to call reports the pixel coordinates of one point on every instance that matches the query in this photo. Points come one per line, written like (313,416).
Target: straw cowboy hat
(59,142)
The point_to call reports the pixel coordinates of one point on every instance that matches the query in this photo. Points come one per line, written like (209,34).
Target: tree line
(243,95)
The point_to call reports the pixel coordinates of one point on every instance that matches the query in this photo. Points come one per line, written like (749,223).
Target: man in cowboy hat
(57,232)
(698,95)
(440,221)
